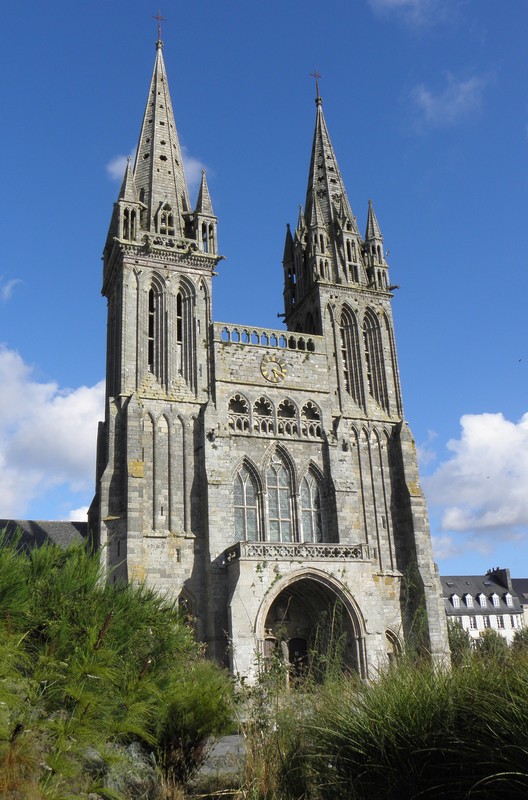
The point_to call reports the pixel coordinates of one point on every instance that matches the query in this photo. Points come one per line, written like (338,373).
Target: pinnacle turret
(158,169)
(373,232)
(128,191)
(203,204)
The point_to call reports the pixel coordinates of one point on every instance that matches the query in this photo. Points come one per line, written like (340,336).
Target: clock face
(273,368)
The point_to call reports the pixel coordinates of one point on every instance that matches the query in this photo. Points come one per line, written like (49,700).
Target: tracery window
(311,515)
(311,420)
(351,356)
(246,504)
(238,410)
(166,221)
(263,421)
(157,332)
(185,334)
(374,362)
(280,516)
(287,419)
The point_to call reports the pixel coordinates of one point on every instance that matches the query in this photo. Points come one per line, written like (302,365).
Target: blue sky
(427,106)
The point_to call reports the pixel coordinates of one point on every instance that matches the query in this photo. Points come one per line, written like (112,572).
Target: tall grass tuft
(422,733)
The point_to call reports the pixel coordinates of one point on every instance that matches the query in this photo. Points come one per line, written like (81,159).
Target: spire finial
(160,20)
(317,75)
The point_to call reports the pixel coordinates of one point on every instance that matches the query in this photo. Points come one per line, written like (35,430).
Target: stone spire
(373,232)
(158,170)
(203,204)
(128,191)
(325,182)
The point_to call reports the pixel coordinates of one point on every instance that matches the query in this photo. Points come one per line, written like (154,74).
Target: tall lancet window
(374,361)
(157,332)
(246,504)
(311,516)
(351,356)
(185,334)
(280,517)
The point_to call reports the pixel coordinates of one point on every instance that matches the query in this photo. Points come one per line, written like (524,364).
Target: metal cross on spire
(160,20)
(316,75)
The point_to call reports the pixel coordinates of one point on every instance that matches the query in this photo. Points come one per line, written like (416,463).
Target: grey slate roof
(474,585)
(37,532)
(520,586)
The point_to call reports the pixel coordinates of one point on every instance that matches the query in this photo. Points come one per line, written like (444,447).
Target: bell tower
(158,263)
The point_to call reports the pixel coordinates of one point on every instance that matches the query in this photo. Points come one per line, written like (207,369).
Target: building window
(311,516)
(469,601)
(374,361)
(482,600)
(287,419)
(185,335)
(473,623)
(455,599)
(247,526)
(500,621)
(238,411)
(496,600)
(280,518)
(509,600)
(486,621)
(351,357)
(157,332)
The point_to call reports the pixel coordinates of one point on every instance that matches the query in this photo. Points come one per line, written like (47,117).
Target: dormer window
(482,600)
(455,599)
(495,600)
(469,601)
(509,600)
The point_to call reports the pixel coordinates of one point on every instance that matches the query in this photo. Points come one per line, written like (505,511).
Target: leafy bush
(85,668)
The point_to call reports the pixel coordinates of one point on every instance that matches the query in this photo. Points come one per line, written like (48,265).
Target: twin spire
(157,180)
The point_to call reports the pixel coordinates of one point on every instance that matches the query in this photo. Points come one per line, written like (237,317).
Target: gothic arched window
(185,335)
(157,332)
(375,365)
(311,515)
(247,519)
(351,356)
(280,514)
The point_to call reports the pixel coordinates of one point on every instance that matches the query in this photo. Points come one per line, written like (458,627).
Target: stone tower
(265,478)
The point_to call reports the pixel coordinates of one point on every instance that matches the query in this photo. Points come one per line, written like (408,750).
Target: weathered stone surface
(293,438)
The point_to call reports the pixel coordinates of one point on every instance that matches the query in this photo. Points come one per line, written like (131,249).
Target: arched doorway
(312,623)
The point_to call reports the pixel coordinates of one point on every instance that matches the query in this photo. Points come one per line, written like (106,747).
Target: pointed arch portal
(311,622)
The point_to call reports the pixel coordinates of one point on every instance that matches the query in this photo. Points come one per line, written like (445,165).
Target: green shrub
(88,668)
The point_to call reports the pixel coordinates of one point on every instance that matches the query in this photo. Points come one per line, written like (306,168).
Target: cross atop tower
(316,75)
(160,20)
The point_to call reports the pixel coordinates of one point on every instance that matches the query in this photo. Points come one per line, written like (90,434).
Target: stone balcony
(299,551)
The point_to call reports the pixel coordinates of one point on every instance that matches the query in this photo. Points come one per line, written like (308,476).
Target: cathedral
(265,479)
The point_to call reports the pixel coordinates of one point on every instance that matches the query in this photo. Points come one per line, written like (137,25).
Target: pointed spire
(203,204)
(316,218)
(288,247)
(158,169)
(373,229)
(128,191)
(325,182)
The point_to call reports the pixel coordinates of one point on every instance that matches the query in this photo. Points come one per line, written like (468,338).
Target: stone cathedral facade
(262,477)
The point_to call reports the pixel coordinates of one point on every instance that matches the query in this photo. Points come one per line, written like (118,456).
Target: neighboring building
(260,476)
(488,602)
(520,587)
(35,533)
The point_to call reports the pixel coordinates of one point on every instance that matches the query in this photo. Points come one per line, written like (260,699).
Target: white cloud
(415,12)
(78,514)
(193,170)
(116,167)
(483,486)
(425,451)
(6,288)
(192,167)
(460,99)
(47,435)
